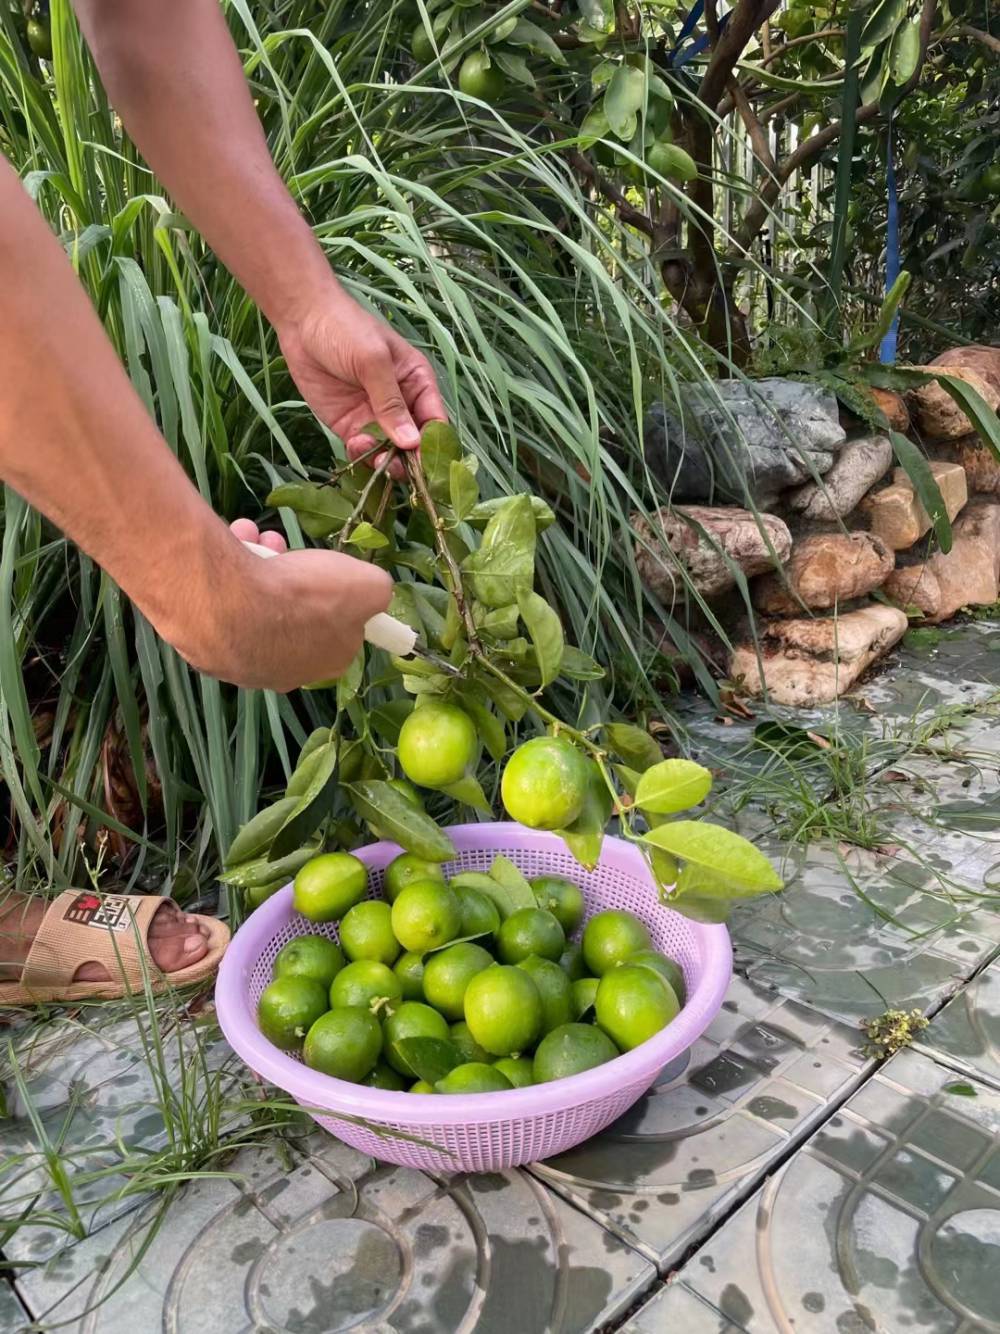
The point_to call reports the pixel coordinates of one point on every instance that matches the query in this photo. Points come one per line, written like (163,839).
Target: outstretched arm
(77,442)
(175,78)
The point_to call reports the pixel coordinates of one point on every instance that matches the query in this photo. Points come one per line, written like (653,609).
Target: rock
(729,538)
(982,468)
(896,513)
(938,415)
(966,576)
(812,661)
(826,570)
(977,357)
(893,408)
(859,465)
(737,438)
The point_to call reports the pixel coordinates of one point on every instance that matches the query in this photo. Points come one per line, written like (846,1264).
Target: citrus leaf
(504,565)
(962,1090)
(439,449)
(585,836)
(261,871)
(312,808)
(675,162)
(506,900)
(536,39)
(625,96)
(386,719)
(303,774)
(701,910)
(501,623)
(598,14)
(700,882)
(631,744)
(321,510)
(349,684)
(514,64)
(256,835)
(430,1059)
(315,741)
(673,785)
(904,53)
(505,873)
(545,629)
(717,849)
(488,725)
(367,537)
(463,488)
(580,666)
(882,23)
(664,868)
(594,125)
(469,792)
(486,509)
(917,469)
(391,816)
(507,701)
(629,778)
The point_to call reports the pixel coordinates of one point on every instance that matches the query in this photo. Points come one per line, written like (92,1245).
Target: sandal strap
(82,926)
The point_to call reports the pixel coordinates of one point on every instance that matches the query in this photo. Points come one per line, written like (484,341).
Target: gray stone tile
(339,1241)
(888,1219)
(856,933)
(759,1080)
(966,1034)
(677,1307)
(13,1317)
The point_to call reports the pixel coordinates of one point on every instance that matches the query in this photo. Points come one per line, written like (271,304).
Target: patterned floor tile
(887,1219)
(339,1242)
(13,1316)
(856,933)
(677,1307)
(759,1080)
(966,1034)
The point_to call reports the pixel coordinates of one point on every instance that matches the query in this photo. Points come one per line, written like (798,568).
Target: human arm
(175,78)
(77,443)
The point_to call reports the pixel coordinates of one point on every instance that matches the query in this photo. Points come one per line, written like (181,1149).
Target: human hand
(353,369)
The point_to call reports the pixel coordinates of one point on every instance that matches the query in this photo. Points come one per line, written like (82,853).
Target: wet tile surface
(13,1317)
(966,1034)
(678,1308)
(762,1076)
(888,1218)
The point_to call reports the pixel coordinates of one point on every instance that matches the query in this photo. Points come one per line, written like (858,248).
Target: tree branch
(630,215)
(744,21)
(756,131)
(978,35)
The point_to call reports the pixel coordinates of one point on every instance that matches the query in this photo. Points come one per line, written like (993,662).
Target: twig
(978,35)
(419,482)
(366,491)
(343,468)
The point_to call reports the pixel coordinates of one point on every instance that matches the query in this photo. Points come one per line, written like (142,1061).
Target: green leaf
(507,701)
(710,911)
(631,744)
(598,14)
(312,808)
(675,162)
(673,785)
(664,868)
(303,773)
(703,883)
(514,64)
(463,488)
(962,1090)
(882,23)
(629,778)
(786,739)
(580,666)
(536,39)
(430,1058)
(367,537)
(501,622)
(321,510)
(545,629)
(595,125)
(262,871)
(488,725)
(624,98)
(507,900)
(504,565)
(469,792)
(386,719)
(717,849)
(391,816)
(315,741)
(505,873)
(256,835)
(904,53)
(916,467)
(439,449)
(585,836)
(486,509)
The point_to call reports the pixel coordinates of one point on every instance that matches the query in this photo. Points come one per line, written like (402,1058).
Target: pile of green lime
(476,984)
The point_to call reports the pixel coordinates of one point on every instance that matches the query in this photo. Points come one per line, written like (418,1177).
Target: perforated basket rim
(327,1095)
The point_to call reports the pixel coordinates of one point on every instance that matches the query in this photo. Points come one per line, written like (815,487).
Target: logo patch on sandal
(107,914)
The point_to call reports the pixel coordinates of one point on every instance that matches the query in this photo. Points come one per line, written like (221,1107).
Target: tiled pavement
(775,1180)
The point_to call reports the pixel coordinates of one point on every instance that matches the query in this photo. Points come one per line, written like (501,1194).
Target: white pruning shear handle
(383,631)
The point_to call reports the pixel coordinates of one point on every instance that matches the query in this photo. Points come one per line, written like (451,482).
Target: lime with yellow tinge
(555,989)
(329,885)
(421,1086)
(447,974)
(366,933)
(518,1069)
(437,745)
(385,1077)
(473,1077)
(409,968)
(315,957)
(530,931)
(504,1010)
(288,1008)
(562,898)
(461,1035)
(426,914)
(633,1004)
(544,783)
(344,1043)
(584,995)
(404,870)
(368,985)
(571,1049)
(667,968)
(411,1020)
(610,937)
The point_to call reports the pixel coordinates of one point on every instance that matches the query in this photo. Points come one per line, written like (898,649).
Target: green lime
(555,989)
(40,39)
(409,968)
(610,937)
(368,985)
(545,783)
(584,995)
(406,868)
(571,1049)
(421,46)
(421,1086)
(633,1003)
(366,932)
(344,1043)
(255,895)
(467,1044)
(288,1008)
(563,899)
(519,1070)
(316,957)
(667,968)
(478,78)
(473,1077)
(411,1020)
(437,745)
(448,972)
(530,931)
(503,1010)
(425,915)
(385,1077)
(328,885)
(571,961)
(480,916)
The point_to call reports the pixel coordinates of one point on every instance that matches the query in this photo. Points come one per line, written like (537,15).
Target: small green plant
(891,1032)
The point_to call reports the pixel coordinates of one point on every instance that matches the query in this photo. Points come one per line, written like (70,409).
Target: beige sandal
(108,929)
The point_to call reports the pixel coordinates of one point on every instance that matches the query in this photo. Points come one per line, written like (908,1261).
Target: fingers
(245,529)
(360,447)
(273,542)
(379,381)
(419,384)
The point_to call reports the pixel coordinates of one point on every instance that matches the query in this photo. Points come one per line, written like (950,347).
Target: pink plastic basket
(481,1132)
